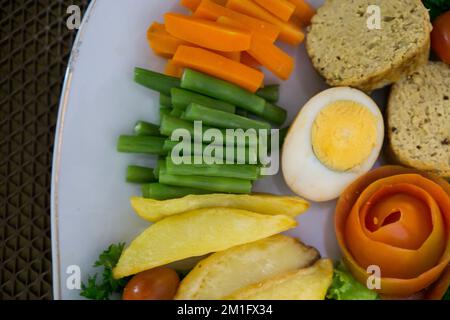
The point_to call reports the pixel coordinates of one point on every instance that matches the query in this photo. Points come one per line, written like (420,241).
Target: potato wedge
(196,233)
(222,273)
(154,210)
(309,283)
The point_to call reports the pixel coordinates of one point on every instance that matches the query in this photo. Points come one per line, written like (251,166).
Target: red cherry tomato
(440,37)
(155,284)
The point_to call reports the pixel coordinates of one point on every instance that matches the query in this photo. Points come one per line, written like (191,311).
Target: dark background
(35,46)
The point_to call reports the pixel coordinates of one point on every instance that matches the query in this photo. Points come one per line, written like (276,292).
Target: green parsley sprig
(102,290)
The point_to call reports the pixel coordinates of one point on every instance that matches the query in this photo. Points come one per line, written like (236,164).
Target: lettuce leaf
(346,287)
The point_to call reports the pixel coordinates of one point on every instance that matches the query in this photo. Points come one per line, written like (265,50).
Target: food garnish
(107,286)
(160,283)
(346,287)
(397,219)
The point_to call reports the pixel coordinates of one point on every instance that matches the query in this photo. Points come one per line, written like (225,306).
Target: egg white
(302,170)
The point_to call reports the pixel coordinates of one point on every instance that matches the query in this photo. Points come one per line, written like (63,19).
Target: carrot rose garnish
(399,220)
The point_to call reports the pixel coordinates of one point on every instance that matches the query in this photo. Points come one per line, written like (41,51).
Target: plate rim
(56,161)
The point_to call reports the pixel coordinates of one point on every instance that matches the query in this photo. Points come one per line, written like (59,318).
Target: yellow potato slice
(309,283)
(222,273)
(196,233)
(154,210)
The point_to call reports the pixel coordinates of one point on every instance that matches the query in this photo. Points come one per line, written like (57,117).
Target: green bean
(155,81)
(182,98)
(138,174)
(141,144)
(221,119)
(143,128)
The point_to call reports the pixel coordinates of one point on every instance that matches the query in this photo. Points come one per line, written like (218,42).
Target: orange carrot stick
(303,10)
(249,60)
(161,42)
(212,11)
(193,4)
(271,57)
(231,22)
(282,9)
(173,69)
(289,32)
(219,66)
(207,34)
(265,52)
(235,56)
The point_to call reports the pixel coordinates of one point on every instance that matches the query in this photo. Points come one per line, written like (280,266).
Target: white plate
(90,207)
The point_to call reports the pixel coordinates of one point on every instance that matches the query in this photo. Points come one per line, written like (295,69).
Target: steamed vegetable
(271,57)
(265,52)
(165,101)
(239,171)
(155,81)
(270,92)
(194,234)
(345,287)
(235,154)
(160,191)
(161,42)
(221,119)
(141,144)
(220,67)
(173,69)
(182,98)
(153,210)
(282,9)
(143,128)
(138,174)
(289,32)
(225,272)
(208,9)
(216,184)
(207,34)
(160,283)
(305,284)
(107,286)
(303,10)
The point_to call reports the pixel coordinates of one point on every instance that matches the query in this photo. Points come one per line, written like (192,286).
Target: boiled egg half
(336,138)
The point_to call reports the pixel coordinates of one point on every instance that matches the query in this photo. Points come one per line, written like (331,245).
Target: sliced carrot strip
(271,57)
(303,10)
(212,11)
(165,45)
(173,69)
(190,4)
(289,32)
(235,56)
(265,52)
(232,22)
(156,27)
(249,60)
(161,42)
(219,66)
(207,34)
(404,271)
(282,9)
(193,4)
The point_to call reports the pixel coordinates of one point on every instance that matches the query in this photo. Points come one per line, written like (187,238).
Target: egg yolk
(344,134)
